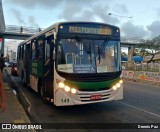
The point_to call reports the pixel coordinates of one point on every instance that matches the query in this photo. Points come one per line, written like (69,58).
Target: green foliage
(123,54)
(150,47)
(153,45)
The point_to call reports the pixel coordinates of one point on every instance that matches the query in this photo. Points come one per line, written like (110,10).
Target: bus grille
(87,99)
(84,96)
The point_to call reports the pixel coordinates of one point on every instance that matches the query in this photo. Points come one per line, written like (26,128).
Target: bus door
(48,68)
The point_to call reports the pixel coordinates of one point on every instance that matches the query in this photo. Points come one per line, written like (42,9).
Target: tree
(136,52)
(123,54)
(143,52)
(151,47)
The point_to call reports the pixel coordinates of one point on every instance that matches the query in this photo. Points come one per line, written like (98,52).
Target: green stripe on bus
(92,85)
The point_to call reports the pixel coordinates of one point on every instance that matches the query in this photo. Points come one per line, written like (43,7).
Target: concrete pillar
(130,56)
(2,22)
(2,27)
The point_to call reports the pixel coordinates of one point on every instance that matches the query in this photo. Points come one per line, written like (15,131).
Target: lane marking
(139,109)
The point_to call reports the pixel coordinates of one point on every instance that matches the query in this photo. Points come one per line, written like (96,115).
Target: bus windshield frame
(84,55)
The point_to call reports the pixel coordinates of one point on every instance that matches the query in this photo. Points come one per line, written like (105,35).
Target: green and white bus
(73,63)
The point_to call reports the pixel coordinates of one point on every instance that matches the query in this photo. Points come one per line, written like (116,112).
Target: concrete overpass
(130,41)
(13,32)
(19,32)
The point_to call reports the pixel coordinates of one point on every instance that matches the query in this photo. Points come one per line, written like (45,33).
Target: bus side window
(47,51)
(33,50)
(20,54)
(24,51)
(39,51)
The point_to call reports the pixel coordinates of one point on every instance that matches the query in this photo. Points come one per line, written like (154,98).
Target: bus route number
(65,100)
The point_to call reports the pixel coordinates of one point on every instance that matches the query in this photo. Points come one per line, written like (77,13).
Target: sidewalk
(14,112)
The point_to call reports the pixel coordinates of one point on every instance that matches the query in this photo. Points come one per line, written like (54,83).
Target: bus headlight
(67,88)
(118,85)
(121,81)
(73,90)
(61,84)
(114,87)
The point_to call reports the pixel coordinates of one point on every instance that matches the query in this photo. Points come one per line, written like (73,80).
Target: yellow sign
(100,31)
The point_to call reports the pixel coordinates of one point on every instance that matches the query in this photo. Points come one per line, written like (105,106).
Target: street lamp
(119,15)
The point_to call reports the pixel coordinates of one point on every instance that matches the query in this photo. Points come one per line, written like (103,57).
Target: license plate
(96,97)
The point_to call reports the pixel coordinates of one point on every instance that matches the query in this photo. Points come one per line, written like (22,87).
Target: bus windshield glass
(87,55)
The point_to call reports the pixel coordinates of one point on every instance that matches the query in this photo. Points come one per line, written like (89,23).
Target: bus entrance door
(48,71)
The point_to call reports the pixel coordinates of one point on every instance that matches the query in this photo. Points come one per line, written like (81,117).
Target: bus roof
(56,25)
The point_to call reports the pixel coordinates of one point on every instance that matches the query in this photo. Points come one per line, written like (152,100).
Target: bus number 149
(65,100)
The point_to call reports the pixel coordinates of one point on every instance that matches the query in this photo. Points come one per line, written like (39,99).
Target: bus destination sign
(90,30)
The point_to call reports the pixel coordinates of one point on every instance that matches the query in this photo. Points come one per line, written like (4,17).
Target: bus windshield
(87,55)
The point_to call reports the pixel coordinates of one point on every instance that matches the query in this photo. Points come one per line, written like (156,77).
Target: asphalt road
(140,105)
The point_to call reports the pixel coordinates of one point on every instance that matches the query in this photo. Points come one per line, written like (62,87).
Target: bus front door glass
(87,56)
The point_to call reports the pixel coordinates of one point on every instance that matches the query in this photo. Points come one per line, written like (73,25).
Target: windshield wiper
(86,48)
(99,54)
(104,44)
(102,48)
(89,52)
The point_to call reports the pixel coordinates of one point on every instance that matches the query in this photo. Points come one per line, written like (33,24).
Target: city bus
(73,63)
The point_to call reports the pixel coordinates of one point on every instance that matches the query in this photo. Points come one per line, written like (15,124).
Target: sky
(145,21)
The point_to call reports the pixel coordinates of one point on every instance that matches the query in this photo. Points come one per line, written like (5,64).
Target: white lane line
(139,109)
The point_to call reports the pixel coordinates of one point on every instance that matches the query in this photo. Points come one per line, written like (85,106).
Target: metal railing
(22,29)
(153,67)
